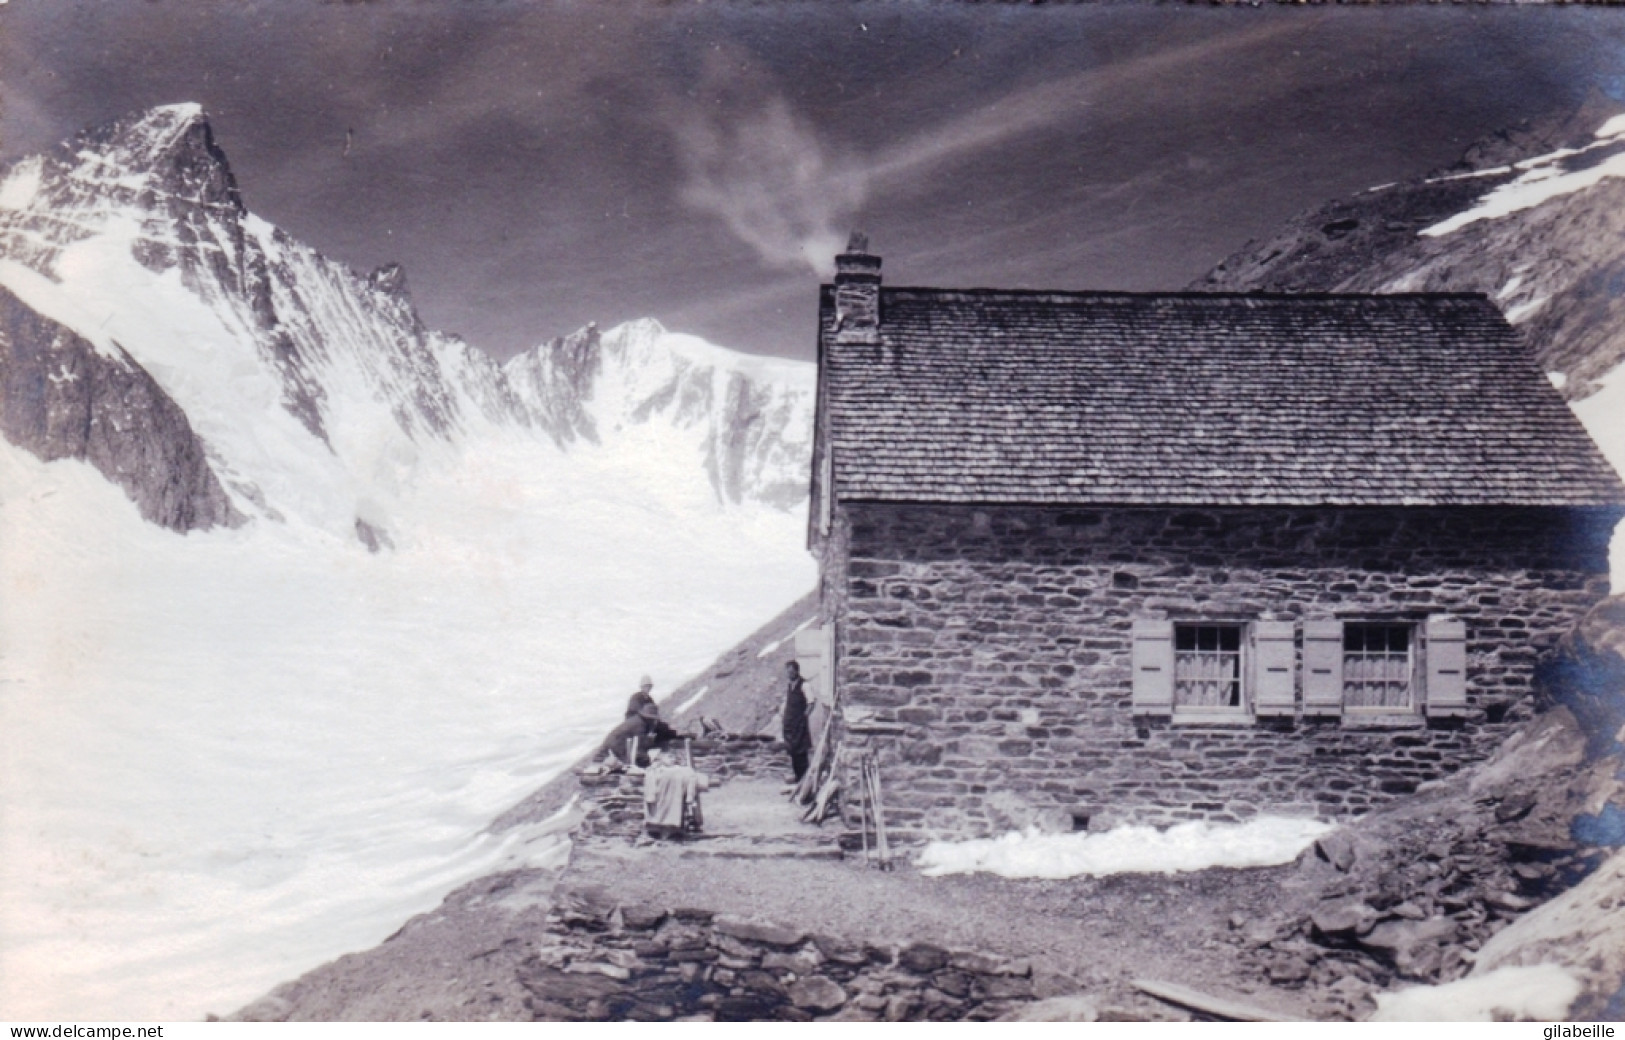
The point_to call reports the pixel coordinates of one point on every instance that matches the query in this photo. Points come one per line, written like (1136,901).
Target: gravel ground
(1099,933)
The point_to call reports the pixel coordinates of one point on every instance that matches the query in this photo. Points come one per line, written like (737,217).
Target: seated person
(671,797)
(642,697)
(639,732)
(654,727)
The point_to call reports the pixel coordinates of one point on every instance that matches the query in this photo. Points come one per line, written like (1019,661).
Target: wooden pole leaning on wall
(807,788)
(869,769)
(863,824)
(880,821)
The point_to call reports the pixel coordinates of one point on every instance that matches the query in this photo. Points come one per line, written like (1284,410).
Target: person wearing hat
(641,698)
(642,726)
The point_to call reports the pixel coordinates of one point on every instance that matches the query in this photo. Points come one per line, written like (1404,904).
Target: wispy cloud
(1055,103)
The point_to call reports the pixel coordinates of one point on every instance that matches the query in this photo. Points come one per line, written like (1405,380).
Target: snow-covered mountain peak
(171,147)
(318,393)
(747,419)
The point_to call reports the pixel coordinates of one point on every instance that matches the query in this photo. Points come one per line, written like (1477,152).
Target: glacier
(240,739)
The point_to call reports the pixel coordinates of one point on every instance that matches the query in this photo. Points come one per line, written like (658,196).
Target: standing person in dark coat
(797,727)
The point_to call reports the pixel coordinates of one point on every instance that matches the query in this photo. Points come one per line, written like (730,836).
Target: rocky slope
(1434,890)
(1534,217)
(60,398)
(313,392)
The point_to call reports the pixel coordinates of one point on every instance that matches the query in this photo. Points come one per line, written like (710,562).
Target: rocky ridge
(1534,217)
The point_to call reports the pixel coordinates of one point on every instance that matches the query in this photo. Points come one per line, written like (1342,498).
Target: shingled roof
(1193,398)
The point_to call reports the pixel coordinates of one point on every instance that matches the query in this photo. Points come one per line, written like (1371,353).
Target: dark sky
(537,166)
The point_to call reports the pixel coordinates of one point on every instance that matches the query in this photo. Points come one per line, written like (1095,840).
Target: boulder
(641,917)
(1341,919)
(802,962)
(1396,937)
(589,908)
(983,964)
(840,952)
(816,993)
(762,982)
(1075,1008)
(1287,968)
(953,983)
(1003,987)
(757,931)
(1337,848)
(750,1007)
(552,984)
(609,971)
(923,958)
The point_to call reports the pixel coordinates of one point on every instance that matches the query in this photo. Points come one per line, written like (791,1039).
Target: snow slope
(230,753)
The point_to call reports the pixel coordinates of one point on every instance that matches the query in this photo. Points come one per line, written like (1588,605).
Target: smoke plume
(751,161)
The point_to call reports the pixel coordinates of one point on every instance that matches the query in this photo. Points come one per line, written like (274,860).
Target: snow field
(232,755)
(1541,992)
(1129,849)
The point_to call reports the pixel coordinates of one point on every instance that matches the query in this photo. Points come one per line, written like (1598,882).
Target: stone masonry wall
(602,959)
(984,654)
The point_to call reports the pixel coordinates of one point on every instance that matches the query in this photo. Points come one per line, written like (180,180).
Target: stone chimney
(857,292)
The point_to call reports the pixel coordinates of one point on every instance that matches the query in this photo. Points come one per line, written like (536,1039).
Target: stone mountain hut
(1092,557)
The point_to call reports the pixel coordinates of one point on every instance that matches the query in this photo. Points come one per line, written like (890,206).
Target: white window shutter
(815,654)
(1323,667)
(1274,692)
(1446,650)
(1153,663)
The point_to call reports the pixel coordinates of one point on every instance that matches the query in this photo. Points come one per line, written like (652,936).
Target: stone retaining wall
(602,960)
(984,654)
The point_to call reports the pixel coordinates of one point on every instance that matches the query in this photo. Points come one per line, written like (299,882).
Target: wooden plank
(808,787)
(1274,692)
(1152,662)
(1323,667)
(1230,1010)
(1446,650)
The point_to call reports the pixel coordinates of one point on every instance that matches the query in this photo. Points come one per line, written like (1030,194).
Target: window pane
(1377,666)
(1207,666)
